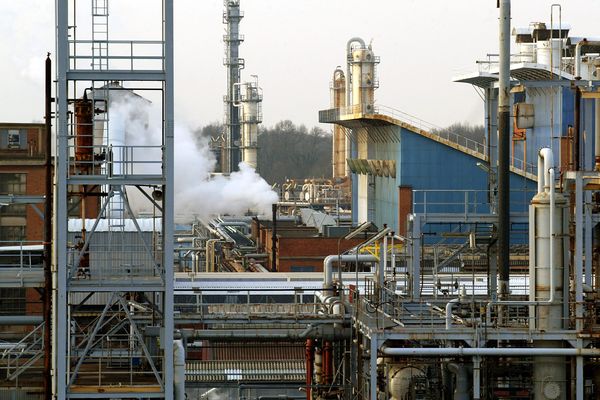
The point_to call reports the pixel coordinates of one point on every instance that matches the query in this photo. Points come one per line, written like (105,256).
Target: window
(11,183)
(14,139)
(12,301)
(13,217)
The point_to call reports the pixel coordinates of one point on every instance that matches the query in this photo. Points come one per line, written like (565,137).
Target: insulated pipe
(449,306)
(329,260)
(487,351)
(21,320)
(179,370)
(578,47)
(461,389)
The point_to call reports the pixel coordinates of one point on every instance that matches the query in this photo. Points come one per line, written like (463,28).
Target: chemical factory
(427,266)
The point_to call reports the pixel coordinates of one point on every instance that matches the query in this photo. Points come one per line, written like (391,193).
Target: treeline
(287,150)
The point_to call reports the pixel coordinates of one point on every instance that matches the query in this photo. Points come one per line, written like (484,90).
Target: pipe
(327,363)
(449,306)
(461,388)
(22,320)
(597,122)
(487,351)
(328,332)
(48,204)
(329,260)
(308,354)
(274,240)
(504,151)
(578,47)
(545,184)
(179,369)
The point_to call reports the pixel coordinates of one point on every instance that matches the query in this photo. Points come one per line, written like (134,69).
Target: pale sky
(294,46)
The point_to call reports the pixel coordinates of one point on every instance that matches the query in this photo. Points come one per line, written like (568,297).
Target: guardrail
(122,55)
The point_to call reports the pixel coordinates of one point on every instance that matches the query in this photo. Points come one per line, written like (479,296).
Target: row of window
(13,217)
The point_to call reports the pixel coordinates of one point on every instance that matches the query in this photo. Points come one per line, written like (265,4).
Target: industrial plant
(427,265)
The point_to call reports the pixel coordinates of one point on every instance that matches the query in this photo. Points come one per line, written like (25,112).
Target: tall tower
(113,278)
(232,17)
(250,104)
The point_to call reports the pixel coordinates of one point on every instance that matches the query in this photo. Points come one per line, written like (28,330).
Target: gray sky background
(294,47)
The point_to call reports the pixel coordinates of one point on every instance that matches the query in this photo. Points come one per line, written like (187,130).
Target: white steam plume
(195,194)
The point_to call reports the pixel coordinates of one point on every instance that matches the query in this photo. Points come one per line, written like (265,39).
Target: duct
(179,370)
(488,351)
(329,260)
(461,388)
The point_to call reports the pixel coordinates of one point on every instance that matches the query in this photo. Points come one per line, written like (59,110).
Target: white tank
(546,49)
(549,373)
(363,80)
(527,52)
(400,379)
(250,118)
(340,144)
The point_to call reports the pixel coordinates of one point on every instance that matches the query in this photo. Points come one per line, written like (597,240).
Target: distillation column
(341,149)
(364,81)
(251,116)
(548,229)
(232,17)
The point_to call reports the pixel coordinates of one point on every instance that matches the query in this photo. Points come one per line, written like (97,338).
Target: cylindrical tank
(363,80)
(84,132)
(527,52)
(340,145)
(549,373)
(251,117)
(401,380)
(546,49)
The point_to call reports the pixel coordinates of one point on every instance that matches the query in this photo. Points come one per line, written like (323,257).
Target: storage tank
(251,98)
(401,381)
(340,145)
(363,79)
(546,269)
(546,49)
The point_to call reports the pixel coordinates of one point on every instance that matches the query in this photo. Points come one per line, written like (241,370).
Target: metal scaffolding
(108,294)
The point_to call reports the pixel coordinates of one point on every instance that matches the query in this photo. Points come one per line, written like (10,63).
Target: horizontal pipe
(486,351)
(21,319)
(313,332)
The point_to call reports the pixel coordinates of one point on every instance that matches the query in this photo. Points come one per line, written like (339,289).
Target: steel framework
(104,352)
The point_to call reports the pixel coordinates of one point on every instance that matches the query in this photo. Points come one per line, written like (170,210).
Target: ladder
(99,34)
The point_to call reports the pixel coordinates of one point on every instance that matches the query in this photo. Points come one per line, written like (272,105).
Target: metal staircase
(25,353)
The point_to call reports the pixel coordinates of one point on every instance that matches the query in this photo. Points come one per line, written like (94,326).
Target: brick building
(22,172)
(299,248)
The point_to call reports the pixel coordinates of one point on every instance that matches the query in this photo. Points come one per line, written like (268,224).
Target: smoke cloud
(197,195)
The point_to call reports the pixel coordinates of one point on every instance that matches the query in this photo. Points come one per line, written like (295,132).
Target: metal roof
(145,224)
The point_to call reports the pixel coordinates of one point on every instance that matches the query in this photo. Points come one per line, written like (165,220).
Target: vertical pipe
(577,129)
(308,353)
(597,126)
(503,151)
(48,233)
(274,240)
